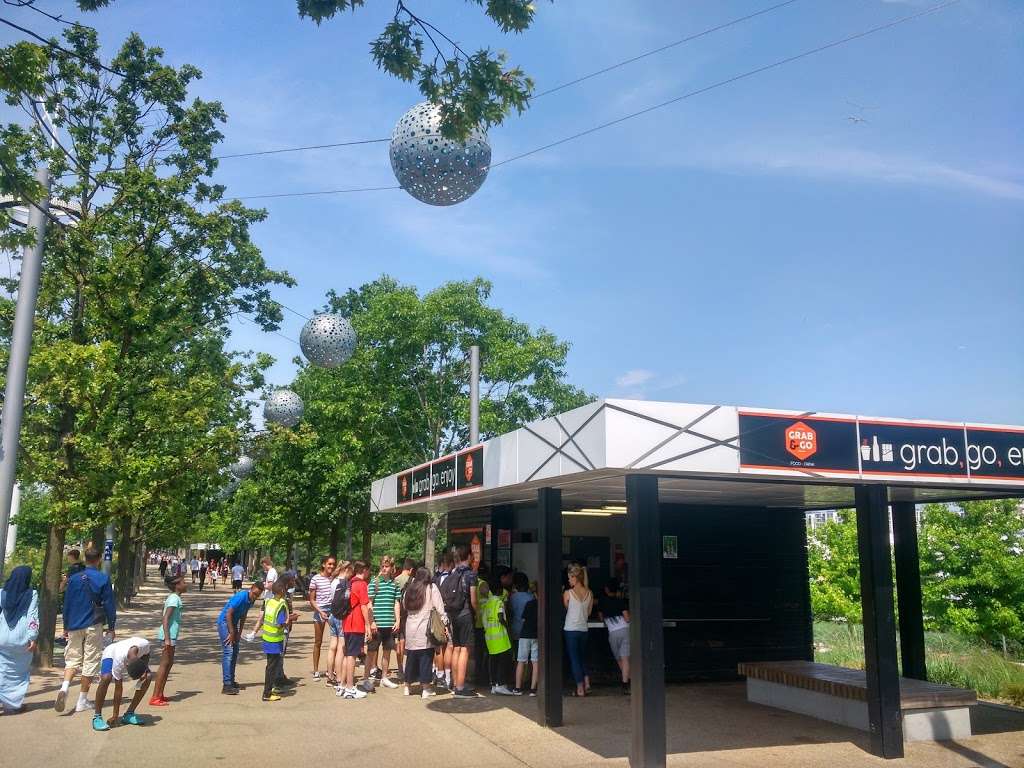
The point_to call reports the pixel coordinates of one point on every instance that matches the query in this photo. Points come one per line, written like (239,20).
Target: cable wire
(321,192)
(301,149)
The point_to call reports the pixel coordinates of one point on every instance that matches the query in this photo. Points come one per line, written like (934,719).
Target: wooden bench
(931,712)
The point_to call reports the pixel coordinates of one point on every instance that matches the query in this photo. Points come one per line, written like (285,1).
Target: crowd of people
(436,626)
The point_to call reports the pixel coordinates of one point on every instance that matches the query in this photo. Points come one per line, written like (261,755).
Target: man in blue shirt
(88,606)
(229,626)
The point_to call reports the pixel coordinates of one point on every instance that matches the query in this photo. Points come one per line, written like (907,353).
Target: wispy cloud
(642,384)
(634,378)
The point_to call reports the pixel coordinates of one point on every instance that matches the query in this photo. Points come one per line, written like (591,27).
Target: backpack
(341,603)
(453,592)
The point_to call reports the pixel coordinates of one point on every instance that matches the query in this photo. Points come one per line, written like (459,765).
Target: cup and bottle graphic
(874,451)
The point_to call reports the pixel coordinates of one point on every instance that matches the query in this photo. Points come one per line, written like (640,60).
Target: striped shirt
(384,593)
(324,590)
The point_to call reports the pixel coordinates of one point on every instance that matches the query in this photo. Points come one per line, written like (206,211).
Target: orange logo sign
(801,440)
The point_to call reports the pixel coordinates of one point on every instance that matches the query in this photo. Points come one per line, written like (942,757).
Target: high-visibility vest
(272,633)
(495,634)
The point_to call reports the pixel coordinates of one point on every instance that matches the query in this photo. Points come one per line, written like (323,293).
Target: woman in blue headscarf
(19,628)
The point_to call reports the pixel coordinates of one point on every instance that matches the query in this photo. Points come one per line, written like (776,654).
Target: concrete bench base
(934,724)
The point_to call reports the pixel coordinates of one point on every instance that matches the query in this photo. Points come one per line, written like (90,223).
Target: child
(167,635)
(499,647)
(131,656)
(529,648)
(214,573)
(614,612)
(335,655)
(276,619)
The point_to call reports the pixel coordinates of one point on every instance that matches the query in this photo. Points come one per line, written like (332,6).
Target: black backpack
(453,591)
(341,603)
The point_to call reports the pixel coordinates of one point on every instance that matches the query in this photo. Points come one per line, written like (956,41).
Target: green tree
(834,569)
(133,404)
(473,89)
(972,558)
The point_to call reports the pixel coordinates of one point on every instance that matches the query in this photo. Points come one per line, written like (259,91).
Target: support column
(549,606)
(908,589)
(646,631)
(883,678)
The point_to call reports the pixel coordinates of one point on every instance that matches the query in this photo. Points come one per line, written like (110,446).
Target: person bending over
(129,657)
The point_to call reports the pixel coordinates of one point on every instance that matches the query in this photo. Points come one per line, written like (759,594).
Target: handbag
(436,632)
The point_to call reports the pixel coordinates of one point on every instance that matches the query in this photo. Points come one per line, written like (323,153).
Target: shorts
(335,624)
(529,650)
(462,630)
(383,636)
(107,666)
(236,584)
(354,643)
(317,616)
(84,650)
(619,642)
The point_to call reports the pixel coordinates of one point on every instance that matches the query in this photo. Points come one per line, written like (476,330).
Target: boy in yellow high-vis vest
(499,645)
(276,619)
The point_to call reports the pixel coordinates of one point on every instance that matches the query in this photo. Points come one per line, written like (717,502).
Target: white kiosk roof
(716,454)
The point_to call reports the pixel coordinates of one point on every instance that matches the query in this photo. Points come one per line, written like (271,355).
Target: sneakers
(99,724)
(626,689)
(517,691)
(235,685)
(227,690)
(366,687)
(130,718)
(533,692)
(83,706)
(376,673)
(427,693)
(316,675)
(501,690)
(272,697)
(387,682)
(158,701)
(464,693)
(354,693)
(62,699)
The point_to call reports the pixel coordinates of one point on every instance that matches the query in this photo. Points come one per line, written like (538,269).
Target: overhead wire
(690,94)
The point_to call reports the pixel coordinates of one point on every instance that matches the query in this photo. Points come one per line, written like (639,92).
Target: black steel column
(646,631)
(883,676)
(908,589)
(549,606)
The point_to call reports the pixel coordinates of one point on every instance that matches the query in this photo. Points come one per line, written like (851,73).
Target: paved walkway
(711,726)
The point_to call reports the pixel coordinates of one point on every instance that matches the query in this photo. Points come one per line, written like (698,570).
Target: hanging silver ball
(283,407)
(228,489)
(242,468)
(327,340)
(431,168)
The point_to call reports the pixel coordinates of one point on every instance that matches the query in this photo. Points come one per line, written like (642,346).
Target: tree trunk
(53,563)
(367,538)
(332,545)
(97,536)
(430,529)
(140,566)
(348,536)
(123,584)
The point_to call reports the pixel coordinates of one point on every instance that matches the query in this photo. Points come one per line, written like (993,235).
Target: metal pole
(21,345)
(474,395)
(108,548)
(12,528)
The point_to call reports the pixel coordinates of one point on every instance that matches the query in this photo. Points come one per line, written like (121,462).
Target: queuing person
(339,609)
(578,600)
(384,596)
(517,601)
(499,646)
(193,567)
(357,627)
(614,612)
(230,624)
(528,650)
(88,605)
(129,656)
(443,654)
(422,603)
(458,591)
(167,636)
(481,664)
(401,581)
(276,618)
(19,628)
(237,576)
(319,595)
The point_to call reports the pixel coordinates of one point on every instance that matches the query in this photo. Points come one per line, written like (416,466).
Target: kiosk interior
(700,510)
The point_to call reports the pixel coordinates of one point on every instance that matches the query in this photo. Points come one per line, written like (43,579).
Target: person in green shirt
(386,610)
(167,636)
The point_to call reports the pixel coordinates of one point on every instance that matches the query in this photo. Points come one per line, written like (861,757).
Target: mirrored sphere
(242,468)
(431,168)
(283,407)
(327,340)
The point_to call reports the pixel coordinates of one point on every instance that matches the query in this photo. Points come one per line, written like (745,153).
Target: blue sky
(752,245)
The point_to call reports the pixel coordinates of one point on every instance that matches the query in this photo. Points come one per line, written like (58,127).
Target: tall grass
(951,659)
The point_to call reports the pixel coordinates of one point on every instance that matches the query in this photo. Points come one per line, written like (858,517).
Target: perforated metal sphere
(434,169)
(242,468)
(327,340)
(228,489)
(283,407)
